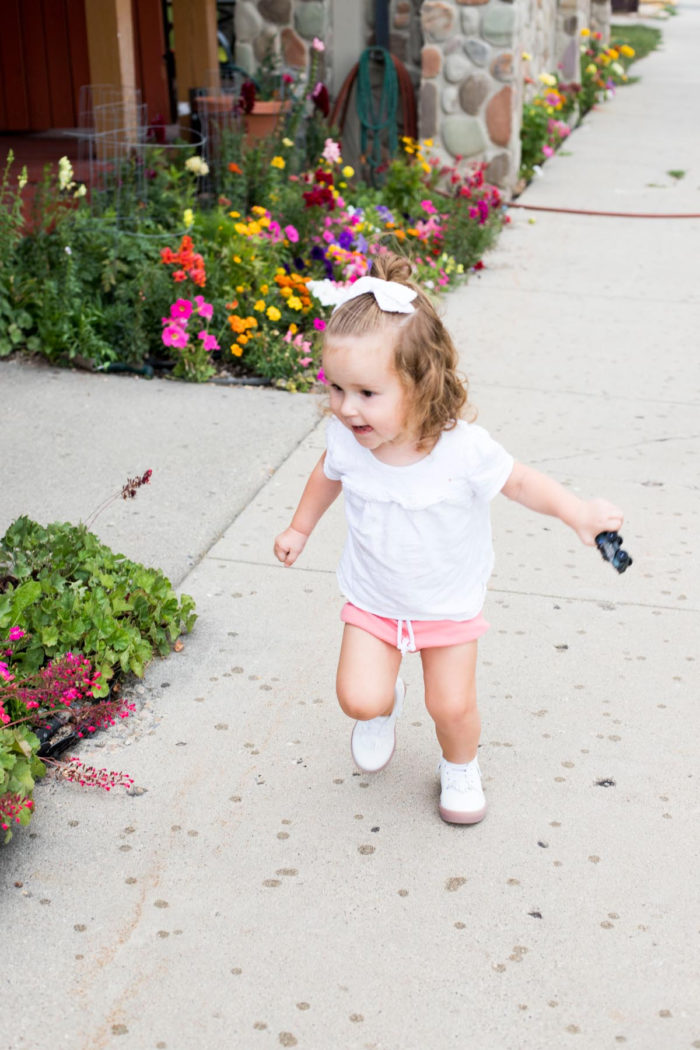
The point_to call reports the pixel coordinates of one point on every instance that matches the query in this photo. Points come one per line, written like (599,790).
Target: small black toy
(610,547)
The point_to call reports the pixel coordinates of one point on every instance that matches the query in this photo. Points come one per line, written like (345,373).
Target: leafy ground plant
(74,617)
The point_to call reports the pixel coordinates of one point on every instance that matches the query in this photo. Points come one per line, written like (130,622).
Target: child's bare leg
(449,674)
(367,671)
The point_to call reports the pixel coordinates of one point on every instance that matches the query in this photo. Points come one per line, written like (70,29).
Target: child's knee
(361,702)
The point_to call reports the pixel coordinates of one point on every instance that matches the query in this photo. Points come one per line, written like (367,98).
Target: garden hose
(606,214)
(383,116)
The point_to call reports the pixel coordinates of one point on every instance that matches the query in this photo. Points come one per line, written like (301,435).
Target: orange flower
(234,169)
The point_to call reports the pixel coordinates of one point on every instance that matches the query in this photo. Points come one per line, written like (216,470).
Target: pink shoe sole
(455,817)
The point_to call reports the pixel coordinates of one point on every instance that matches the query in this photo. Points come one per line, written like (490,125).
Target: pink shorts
(410,636)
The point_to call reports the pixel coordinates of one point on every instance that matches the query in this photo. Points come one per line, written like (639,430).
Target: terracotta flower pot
(262,121)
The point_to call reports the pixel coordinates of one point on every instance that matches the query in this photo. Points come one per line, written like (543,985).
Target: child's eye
(367,393)
(334,386)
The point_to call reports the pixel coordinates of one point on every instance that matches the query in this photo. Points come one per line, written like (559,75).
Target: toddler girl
(417,480)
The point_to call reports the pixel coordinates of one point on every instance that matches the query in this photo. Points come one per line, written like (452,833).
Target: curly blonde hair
(425,358)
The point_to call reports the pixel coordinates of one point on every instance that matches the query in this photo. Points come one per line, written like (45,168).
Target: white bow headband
(392,297)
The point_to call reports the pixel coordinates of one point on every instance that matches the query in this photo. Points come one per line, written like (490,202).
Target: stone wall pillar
(288,26)
(481,59)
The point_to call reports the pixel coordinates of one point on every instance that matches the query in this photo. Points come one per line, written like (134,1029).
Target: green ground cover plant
(75,619)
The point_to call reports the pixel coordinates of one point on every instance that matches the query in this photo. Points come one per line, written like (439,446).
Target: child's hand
(595,516)
(289,545)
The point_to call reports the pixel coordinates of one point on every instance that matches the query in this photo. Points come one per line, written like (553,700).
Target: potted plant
(265,98)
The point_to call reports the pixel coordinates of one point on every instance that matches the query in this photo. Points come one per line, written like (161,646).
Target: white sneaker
(462,798)
(372,742)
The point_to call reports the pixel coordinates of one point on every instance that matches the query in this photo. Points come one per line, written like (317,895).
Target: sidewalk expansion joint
(612,603)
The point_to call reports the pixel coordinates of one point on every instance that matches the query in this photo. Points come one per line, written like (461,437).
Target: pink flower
(209,341)
(548,151)
(181,309)
(205,310)
(319,324)
(318,45)
(304,361)
(321,376)
(16,633)
(292,234)
(331,151)
(428,207)
(173,335)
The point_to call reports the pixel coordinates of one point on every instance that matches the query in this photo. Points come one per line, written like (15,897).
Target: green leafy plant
(72,593)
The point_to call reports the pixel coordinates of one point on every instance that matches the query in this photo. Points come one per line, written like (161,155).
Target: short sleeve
(332,463)
(490,465)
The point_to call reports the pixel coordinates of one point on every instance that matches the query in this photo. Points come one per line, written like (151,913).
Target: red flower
(247,99)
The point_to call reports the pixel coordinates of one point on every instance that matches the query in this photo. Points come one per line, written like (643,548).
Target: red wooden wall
(43,62)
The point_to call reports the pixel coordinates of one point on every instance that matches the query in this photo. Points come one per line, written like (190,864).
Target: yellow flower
(294,302)
(236,258)
(348,171)
(259,306)
(253,229)
(264,288)
(278,162)
(239,288)
(188,217)
(257,210)
(547,79)
(627,51)
(426,168)
(241,228)
(613,54)
(285,292)
(428,143)
(273,313)
(287,142)
(526,56)
(585,32)
(293,328)
(243,339)
(236,350)
(591,69)
(234,215)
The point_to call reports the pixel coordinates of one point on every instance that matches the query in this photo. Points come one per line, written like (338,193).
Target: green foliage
(71,592)
(20,768)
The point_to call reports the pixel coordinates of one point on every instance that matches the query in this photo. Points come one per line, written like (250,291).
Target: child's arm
(315,500)
(541,493)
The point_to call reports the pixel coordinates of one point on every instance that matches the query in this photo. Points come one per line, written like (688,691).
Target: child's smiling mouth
(364,429)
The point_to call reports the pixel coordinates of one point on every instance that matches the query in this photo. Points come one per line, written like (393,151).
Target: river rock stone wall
(473,62)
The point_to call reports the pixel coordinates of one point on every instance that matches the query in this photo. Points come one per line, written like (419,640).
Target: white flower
(22,179)
(65,173)
(197,166)
(81,190)
(68,250)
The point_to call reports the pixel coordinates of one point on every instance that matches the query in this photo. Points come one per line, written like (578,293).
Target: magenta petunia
(173,335)
(319,324)
(181,309)
(292,234)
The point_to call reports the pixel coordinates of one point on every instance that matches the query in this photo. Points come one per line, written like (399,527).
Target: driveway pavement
(257,891)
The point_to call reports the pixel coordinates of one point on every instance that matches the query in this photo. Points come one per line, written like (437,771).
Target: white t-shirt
(419,536)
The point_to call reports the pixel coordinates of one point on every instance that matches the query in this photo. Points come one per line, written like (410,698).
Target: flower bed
(559,106)
(215,270)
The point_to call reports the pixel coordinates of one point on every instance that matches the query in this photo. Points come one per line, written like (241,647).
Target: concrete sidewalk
(260,892)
